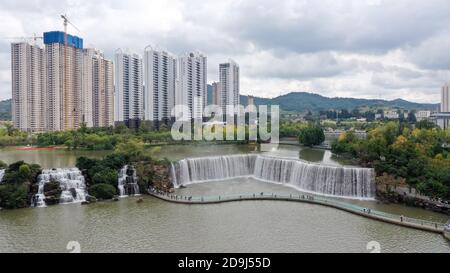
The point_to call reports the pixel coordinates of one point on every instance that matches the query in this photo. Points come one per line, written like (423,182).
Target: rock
(140,200)
(115,198)
(85,203)
(52,191)
(73,192)
(51,200)
(91,199)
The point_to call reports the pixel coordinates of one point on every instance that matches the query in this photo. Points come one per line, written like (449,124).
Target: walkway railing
(305,198)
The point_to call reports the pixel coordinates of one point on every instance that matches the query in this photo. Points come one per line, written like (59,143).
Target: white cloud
(365,49)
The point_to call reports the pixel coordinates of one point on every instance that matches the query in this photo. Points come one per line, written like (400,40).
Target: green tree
(13,196)
(24,171)
(85,163)
(311,136)
(103,191)
(105,176)
(3,165)
(425,124)
(132,148)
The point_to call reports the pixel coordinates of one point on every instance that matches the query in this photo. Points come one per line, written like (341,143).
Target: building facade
(128,87)
(64,81)
(229,85)
(98,89)
(442,120)
(445,99)
(87,100)
(191,90)
(28,87)
(423,115)
(250,100)
(59,88)
(216,93)
(159,81)
(391,114)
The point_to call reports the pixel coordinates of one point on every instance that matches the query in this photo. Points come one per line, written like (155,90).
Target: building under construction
(60,86)
(64,80)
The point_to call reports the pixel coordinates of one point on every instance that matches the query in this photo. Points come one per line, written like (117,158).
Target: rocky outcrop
(52,191)
(154,174)
(161,178)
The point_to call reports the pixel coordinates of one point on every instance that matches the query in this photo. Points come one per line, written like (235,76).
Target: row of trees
(11,136)
(101,138)
(419,155)
(309,134)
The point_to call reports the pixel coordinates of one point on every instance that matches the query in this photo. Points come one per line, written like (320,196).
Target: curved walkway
(303,198)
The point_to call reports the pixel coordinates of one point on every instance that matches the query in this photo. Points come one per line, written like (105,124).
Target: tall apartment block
(64,81)
(159,81)
(128,88)
(191,84)
(98,89)
(28,87)
(229,85)
(445,99)
(216,93)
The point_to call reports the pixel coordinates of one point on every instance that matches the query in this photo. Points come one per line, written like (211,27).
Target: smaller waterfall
(71,182)
(2,173)
(127,182)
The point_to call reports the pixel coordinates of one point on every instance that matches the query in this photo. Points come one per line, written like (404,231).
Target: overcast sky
(362,48)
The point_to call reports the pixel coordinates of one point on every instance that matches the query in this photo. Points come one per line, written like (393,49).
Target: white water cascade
(351,182)
(127,182)
(2,173)
(71,182)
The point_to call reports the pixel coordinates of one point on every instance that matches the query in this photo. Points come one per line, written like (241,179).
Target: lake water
(255,226)
(61,158)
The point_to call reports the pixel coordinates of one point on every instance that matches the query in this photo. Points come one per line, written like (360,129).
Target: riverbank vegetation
(311,136)
(10,136)
(420,156)
(100,138)
(101,175)
(17,184)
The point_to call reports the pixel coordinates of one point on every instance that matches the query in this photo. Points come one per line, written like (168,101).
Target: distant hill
(5,110)
(301,101)
(298,102)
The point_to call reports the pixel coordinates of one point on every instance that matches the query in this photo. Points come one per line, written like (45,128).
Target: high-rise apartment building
(87,100)
(191,80)
(98,89)
(159,81)
(128,87)
(64,80)
(28,87)
(59,87)
(229,85)
(216,93)
(445,99)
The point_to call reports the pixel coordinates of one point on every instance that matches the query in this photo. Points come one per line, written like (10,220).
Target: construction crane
(67,98)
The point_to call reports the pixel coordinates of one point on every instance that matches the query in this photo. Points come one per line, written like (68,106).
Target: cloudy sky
(362,48)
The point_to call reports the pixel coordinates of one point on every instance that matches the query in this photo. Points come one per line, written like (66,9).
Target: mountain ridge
(5,109)
(304,101)
(300,102)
